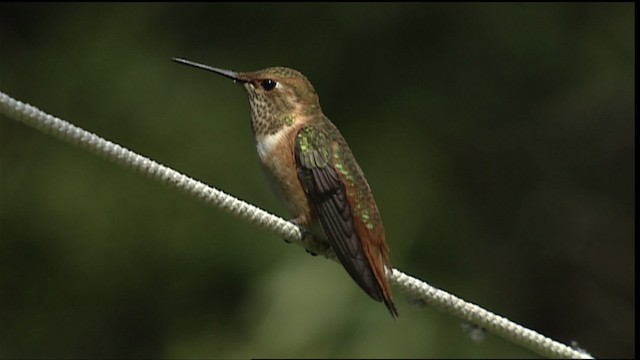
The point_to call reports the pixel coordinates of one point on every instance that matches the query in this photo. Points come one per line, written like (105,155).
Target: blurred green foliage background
(498,140)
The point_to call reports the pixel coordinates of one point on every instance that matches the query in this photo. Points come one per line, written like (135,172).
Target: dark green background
(498,140)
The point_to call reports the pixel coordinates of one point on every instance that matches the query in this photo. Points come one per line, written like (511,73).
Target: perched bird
(311,167)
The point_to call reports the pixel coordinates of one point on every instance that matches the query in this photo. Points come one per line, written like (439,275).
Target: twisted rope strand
(68,132)
(475,314)
(440,299)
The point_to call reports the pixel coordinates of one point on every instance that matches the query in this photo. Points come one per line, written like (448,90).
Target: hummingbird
(311,167)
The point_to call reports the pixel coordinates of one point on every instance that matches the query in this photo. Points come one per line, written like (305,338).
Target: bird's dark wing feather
(327,195)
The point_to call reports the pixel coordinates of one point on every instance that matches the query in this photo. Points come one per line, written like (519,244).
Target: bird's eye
(268,84)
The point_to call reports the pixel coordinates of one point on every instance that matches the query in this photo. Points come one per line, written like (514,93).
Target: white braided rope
(475,314)
(471,313)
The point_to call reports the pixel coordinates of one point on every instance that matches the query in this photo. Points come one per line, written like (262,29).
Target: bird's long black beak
(227,73)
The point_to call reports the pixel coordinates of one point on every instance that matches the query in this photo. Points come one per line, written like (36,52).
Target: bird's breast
(276,152)
(271,144)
